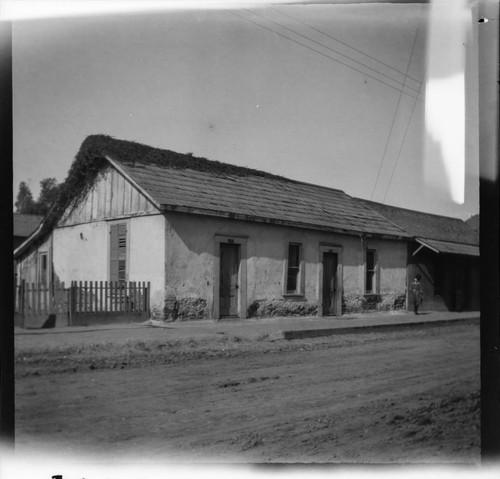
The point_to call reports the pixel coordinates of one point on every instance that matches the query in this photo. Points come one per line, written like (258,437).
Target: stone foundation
(180,309)
(188,309)
(356,303)
(279,307)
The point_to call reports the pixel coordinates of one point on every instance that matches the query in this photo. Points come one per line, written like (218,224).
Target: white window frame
(299,289)
(375,278)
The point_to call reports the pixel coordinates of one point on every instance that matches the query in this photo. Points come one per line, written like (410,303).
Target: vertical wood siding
(111,196)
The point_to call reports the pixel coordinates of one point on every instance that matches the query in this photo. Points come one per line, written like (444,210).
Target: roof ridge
(98,141)
(412,211)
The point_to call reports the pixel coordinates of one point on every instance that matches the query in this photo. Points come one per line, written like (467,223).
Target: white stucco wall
(81,252)
(146,261)
(190,258)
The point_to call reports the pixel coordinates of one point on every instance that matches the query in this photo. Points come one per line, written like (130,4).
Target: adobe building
(217,240)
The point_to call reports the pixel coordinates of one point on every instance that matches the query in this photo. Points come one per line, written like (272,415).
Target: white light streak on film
(445,97)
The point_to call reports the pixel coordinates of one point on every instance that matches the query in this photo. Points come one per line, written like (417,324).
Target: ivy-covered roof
(182,182)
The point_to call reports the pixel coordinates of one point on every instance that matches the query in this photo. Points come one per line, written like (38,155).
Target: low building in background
(24,226)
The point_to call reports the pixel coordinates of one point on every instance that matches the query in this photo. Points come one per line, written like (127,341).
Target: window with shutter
(118,252)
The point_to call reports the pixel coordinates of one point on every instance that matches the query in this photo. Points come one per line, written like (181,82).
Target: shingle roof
(176,181)
(426,225)
(24,225)
(183,182)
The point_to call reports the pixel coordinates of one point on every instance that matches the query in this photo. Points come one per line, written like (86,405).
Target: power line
(396,111)
(343,43)
(333,50)
(322,54)
(401,147)
(386,146)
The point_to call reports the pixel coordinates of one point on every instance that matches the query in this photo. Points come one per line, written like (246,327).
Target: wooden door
(330,263)
(229,265)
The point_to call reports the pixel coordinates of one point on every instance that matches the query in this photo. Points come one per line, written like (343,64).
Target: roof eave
(423,243)
(276,221)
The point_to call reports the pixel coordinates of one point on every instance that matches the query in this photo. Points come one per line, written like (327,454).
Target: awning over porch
(447,247)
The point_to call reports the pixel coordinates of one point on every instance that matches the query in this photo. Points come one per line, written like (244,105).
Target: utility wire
(396,112)
(386,146)
(323,54)
(402,143)
(334,51)
(343,43)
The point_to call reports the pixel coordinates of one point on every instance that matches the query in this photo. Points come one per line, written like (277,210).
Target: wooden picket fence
(82,302)
(109,297)
(39,299)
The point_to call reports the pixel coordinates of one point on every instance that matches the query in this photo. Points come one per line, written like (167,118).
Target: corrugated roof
(250,194)
(450,248)
(24,225)
(426,225)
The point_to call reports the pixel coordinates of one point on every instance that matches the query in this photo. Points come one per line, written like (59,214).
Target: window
(293,268)
(118,252)
(371,279)
(43,268)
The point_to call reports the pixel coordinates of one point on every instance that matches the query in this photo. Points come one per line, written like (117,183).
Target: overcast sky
(311,92)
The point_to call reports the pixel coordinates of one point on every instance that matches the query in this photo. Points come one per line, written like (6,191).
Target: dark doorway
(330,263)
(229,265)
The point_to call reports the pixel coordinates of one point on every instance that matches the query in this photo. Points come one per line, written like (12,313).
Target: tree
(49,189)
(25,203)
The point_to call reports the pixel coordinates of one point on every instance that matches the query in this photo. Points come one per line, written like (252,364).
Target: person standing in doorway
(416,293)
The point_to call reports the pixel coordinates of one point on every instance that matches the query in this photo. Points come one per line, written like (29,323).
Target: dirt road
(403,396)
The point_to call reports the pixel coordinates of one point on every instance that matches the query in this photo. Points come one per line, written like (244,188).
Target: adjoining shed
(445,252)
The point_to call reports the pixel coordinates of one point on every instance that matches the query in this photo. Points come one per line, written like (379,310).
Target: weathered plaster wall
(391,272)
(147,256)
(190,269)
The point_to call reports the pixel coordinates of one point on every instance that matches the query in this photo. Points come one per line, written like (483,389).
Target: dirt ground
(391,397)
